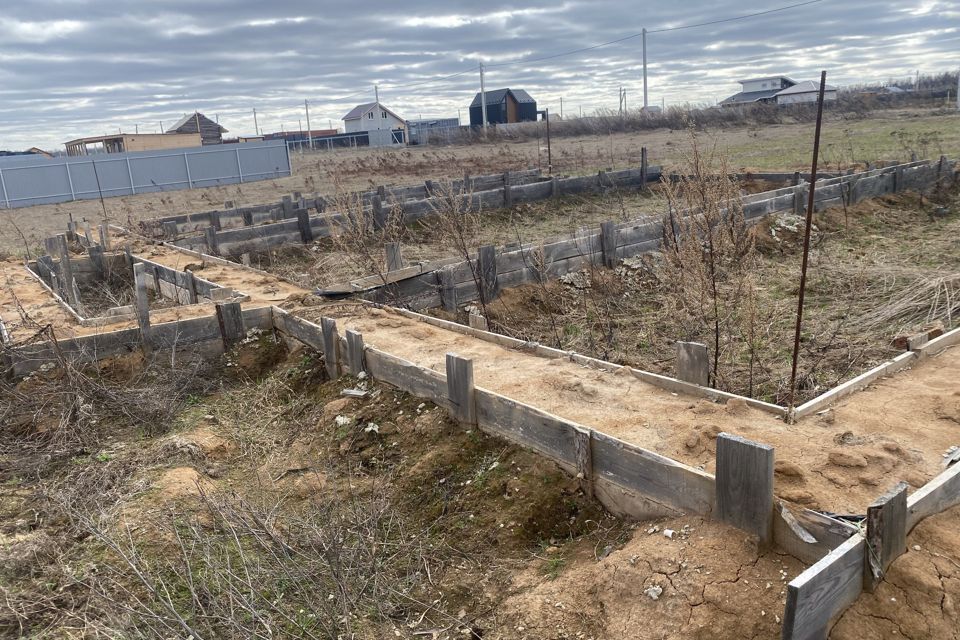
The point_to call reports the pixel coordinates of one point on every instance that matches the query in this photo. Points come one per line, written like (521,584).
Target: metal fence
(26,181)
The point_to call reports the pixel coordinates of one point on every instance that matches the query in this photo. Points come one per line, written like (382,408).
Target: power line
(660,30)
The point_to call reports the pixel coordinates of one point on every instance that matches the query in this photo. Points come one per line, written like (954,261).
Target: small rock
(654,592)
(916,547)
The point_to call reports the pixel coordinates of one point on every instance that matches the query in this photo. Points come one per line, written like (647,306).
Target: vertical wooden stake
(105,237)
(744,485)
(584,458)
(394,257)
(230,320)
(886,534)
(215,220)
(460,389)
(212,245)
(608,243)
(643,168)
(142,305)
(448,289)
(303,223)
(507,194)
(379,214)
(331,347)
(487,266)
(554,187)
(170,230)
(355,352)
(286,203)
(66,269)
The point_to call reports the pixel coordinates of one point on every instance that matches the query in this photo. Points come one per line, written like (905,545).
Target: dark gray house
(210,132)
(504,106)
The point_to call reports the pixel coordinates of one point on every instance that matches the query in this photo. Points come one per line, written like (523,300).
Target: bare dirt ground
(884,135)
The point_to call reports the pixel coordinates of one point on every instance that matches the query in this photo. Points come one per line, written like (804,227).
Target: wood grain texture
(938,495)
(460,389)
(230,321)
(744,485)
(886,537)
(331,346)
(355,349)
(303,223)
(808,535)
(608,243)
(584,458)
(824,590)
(407,376)
(487,266)
(142,303)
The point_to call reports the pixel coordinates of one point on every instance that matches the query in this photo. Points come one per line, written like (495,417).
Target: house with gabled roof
(805,92)
(758,90)
(504,106)
(210,132)
(372,116)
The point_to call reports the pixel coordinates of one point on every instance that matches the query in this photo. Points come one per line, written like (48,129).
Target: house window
(383,114)
(370,116)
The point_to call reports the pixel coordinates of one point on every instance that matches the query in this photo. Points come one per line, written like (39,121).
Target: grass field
(884,135)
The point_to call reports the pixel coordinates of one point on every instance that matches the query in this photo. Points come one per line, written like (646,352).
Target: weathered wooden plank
(808,535)
(582,439)
(744,485)
(693,363)
(545,433)
(355,352)
(415,380)
(823,591)
(487,266)
(886,534)
(331,346)
(940,494)
(654,477)
(608,243)
(230,322)
(394,256)
(142,304)
(460,389)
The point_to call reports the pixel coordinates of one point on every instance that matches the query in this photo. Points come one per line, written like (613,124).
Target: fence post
(693,363)
(487,266)
(331,347)
(66,269)
(379,214)
(448,289)
(210,233)
(303,223)
(643,168)
(460,389)
(394,257)
(142,305)
(886,534)
(3,185)
(186,163)
(230,321)
(608,243)
(744,485)
(507,193)
(584,459)
(239,168)
(215,220)
(355,349)
(133,187)
(73,194)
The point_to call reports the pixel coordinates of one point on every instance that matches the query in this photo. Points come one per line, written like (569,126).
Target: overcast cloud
(71,68)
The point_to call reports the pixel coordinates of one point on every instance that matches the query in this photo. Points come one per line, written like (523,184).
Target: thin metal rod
(806,240)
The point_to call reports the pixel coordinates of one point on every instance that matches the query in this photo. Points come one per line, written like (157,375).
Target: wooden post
(744,485)
(477,321)
(643,168)
(247,216)
(331,347)
(394,257)
(156,282)
(601,178)
(554,187)
(286,203)
(584,459)
(230,320)
(693,363)
(142,305)
(66,269)
(95,252)
(128,258)
(190,284)
(886,534)
(487,266)
(448,289)
(428,186)
(228,205)
(799,194)
(213,247)
(170,229)
(379,214)
(105,237)
(608,243)
(303,223)
(507,194)
(45,267)
(215,220)
(460,389)
(355,348)
(86,234)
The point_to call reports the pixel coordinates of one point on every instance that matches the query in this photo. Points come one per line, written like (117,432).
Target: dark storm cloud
(70,68)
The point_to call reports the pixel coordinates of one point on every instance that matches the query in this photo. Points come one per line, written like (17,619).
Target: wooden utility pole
(644,32)
(483,100)
(306,106)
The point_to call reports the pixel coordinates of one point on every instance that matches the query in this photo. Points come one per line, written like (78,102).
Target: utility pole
(136,128)
(161,126)
(306,106)
(561,107)
(916,85)
(644,68)
(958,88)
(256,129)
(483,100)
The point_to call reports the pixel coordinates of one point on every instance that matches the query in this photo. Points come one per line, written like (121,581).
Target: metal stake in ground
(806,241)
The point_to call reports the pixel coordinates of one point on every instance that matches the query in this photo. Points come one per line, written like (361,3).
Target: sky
(73,68)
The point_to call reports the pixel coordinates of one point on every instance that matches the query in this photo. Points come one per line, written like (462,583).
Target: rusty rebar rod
(806,242)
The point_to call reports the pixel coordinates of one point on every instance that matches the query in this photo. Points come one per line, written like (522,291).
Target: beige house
(121,142)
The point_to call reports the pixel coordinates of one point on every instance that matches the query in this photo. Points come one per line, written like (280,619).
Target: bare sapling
(708,258)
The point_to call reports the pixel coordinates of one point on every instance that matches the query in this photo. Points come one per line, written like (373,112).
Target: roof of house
(767,78)
(496,96)
(361,109)
(190,116)
(745,97)
(807,86)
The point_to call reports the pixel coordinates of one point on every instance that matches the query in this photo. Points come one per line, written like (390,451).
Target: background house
(757,90)
(423,131)
(504,106)
(806,91)
(372,116)
(210,132)
(121,142)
